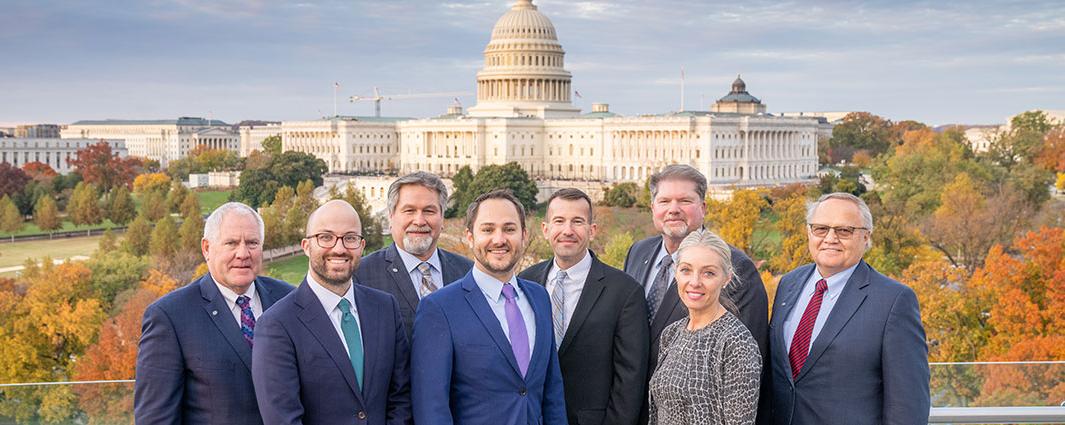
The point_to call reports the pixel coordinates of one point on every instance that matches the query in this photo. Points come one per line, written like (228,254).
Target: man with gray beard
(413,267)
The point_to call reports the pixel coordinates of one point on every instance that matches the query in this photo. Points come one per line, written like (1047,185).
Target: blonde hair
(710,240)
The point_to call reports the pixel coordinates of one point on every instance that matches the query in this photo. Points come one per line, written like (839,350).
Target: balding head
(332,213)
(333,245)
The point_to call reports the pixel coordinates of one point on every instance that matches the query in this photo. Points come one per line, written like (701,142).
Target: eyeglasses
(842,232)
(328,240)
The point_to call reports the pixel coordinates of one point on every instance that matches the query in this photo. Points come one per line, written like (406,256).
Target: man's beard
(418,245)
(321,268)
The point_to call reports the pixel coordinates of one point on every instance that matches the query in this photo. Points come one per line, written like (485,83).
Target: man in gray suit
(847,342)
(678,205)
(413,267)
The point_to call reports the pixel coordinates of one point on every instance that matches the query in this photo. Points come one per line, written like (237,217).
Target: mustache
(413,228)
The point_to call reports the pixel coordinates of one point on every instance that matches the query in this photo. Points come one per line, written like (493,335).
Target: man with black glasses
(333,352)
(847,345)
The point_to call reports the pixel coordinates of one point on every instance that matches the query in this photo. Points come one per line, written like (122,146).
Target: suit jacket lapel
(643,271)
(785,303)
(480,307)
(849,301)
(670,302)
(214,304)
(267,297)
(542,318)
(395,269)
(453,269)
(593,288)
(314,318)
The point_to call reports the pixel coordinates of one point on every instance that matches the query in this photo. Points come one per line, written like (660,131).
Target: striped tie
(558,307)
(247,319)
(800,343)
(427,287)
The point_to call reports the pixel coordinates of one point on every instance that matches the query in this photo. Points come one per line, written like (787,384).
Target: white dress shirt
(411,263)
(231,301)
(836,283)
(492,289)
(331,303)
(575,277)
(655,266)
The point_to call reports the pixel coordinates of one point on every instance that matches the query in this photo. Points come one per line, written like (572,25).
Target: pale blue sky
(937,61)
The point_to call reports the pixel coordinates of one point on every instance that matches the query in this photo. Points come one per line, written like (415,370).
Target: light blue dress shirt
(411,263)
(492,289)
(331,303)
(836,283)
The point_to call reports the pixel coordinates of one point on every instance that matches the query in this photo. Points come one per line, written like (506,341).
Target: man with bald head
(333,352)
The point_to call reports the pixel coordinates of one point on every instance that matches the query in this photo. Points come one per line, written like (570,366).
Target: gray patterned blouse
(706,377)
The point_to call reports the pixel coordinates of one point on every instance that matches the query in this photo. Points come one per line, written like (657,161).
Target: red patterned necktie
(800,343)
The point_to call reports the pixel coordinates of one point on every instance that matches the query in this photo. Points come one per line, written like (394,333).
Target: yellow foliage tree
(151,182)
(791,225)
(734,219)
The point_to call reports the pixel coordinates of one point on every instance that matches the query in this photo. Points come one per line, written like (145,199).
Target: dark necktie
(658,287)
(800,343)
(247,319)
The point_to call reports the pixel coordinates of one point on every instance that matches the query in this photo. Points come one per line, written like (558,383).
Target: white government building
(53,152)
(161,140)
(524,114)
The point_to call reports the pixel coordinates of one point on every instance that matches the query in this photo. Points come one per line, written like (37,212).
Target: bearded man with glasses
(846,342)
(333,352)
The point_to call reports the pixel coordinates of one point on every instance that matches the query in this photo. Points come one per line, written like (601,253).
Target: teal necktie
(353,338)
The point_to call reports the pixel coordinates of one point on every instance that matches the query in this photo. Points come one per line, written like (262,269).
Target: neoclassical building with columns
(524,114)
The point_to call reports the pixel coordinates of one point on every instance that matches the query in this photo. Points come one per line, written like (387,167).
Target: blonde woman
(710,366)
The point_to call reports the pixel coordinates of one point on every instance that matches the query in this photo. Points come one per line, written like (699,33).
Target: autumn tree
(176,196)
(39,171)
(84,206)
(272,145)
(190,206)
(11,220)
(120,208)
(46,215)
(734,219)
(12,179)
(138,236)
(371,226)
(164,243)
(790,224)
(151,182)
(621,195)
(1052,156)
(616,249)
(153,206)
(191,233)
(114,273)
(98,165)
(859,131)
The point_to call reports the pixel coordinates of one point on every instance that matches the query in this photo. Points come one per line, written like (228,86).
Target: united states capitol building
(524,114)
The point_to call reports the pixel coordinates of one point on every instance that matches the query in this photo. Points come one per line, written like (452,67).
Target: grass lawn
(14,254)
(32,229)
(289,269)
(211,199)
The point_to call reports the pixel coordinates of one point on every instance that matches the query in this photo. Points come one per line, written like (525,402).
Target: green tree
(371,225)
(273,223)
(121,208)
(1022,143)
(107,244)
(258,185)
(272,145)
(176,196)
(860,131)
(10,218)
(138,236)
(621,195)
(616,249)
(460,196)
(45,214)
(190,206)
(165,239)
(113,274)
(153,206)
(84,206)
(191,233)
(509,176)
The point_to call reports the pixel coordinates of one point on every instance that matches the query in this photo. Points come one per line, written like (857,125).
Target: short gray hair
(428,180)
(213,225)
(863,210)
(705,238)
(679,172)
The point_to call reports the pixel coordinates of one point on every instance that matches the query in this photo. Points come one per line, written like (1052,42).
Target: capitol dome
(523,72)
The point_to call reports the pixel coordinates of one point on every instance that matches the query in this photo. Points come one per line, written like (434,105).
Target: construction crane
(378,97)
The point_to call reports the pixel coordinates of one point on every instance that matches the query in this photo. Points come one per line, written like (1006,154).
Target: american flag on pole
(336,85)
(577,93)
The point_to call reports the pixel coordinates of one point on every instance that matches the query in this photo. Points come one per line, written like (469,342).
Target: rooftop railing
(962,393)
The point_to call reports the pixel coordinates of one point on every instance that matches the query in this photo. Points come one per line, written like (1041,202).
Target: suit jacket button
(522,392)
(362,415)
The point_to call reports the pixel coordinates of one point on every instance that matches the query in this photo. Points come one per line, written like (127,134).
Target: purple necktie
(247,319)
(519,336)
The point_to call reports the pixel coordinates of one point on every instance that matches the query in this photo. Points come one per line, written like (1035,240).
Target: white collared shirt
(411,263)
(655,263)
(231,300)
(836,283)
(492,289)
(575,278)
(331,303)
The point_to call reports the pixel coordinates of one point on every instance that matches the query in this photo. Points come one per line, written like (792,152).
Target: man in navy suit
(484,350)
(195,354)
(413,267)
(333,352)
(847,342)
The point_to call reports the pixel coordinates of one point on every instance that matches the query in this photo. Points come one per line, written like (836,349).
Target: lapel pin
(214,312)
(395,270)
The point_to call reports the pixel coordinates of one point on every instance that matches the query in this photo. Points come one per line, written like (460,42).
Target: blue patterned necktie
(353,337)
(247,319)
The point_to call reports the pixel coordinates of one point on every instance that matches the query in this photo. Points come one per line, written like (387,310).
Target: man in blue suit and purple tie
(333,352)
(484,349)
